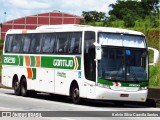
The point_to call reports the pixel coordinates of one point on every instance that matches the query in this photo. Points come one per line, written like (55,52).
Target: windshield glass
(136,65)
(121,40)
(123,64)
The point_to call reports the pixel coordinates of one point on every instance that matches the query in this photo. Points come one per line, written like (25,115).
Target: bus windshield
(123,64)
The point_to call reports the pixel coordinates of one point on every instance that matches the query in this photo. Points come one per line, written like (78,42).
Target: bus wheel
(23,85)
(75,94)
(16,87)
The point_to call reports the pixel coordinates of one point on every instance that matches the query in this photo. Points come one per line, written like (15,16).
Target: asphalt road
(61,108)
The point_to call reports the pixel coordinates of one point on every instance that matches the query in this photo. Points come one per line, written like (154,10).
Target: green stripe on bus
(123,84)
(21,60)
(10,60)
(33,73)
(143,84)
(46,62)
(79,62)
(33,61)
(59,62)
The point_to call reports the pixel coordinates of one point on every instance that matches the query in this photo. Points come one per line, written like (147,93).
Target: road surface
(61,108)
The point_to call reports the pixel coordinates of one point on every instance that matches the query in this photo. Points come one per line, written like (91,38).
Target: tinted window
(45,43)
(68,42)
(36,43)
(89,56)
(26,43)
(13,44)
(48,43)
(8,43)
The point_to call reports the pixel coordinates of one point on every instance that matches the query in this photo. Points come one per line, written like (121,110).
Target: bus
(79,61)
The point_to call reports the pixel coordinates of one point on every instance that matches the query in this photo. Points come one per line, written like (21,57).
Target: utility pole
(5,13)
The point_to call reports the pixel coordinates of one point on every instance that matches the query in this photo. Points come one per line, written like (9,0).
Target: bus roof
(72,27)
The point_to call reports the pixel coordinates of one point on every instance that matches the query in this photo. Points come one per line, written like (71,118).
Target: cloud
(21,8)
(29,4)
(83,5)
(14,14)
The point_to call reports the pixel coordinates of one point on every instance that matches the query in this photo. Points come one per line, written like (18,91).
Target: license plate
(124,95)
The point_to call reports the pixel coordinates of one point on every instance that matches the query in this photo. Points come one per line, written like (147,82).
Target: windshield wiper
(118,74)
(133,74)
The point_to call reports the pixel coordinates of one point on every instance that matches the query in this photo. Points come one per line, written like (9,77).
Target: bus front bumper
(109,94)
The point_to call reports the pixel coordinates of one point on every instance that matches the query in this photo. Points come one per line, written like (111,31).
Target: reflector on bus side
(24,31)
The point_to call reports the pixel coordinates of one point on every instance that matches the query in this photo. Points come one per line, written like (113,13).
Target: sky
(20,8)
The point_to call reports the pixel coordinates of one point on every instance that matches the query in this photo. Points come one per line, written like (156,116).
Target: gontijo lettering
(9,60)
(63,63)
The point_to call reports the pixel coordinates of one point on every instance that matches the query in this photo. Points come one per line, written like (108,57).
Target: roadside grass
(154,76)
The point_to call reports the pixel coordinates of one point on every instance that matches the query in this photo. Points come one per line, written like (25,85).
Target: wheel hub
(76,93)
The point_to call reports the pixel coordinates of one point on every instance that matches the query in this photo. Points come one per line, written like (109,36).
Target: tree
(129,11)
(151,6)
(129,20)
(93,16)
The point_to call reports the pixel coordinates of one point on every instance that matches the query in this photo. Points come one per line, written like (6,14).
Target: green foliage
(152,37)
(129,20)
(93,16)
(132,11)
(151,56)
(96,23)
(117,24)
(154,76)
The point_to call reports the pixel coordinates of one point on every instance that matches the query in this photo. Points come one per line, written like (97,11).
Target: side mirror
(98,50)
(156,56)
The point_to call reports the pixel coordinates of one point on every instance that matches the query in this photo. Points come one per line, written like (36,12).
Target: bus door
(89,62)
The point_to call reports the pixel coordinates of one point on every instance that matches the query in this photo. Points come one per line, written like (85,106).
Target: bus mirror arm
(98,51)
(155,57)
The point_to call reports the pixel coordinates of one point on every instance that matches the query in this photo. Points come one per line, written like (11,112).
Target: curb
(1,86)
(154,96)
(154,93)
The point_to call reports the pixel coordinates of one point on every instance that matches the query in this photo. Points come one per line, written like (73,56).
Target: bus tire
(16,86)
(75,94)
(23,86)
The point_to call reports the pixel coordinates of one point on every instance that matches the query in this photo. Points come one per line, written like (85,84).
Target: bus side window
(46,43)
(32,45)
(26,44)
(36,43)
(62,47)
(52,43)
(66,43)
(8,44)
(16,44)
(72,47)
(75,43)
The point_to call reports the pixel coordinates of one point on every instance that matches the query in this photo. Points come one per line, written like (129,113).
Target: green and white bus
(79,61)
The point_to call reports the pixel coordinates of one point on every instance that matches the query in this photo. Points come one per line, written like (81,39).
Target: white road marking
(67,119)
(6,109)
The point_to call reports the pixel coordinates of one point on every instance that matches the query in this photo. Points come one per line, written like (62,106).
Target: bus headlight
(143,88)
(103,85)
